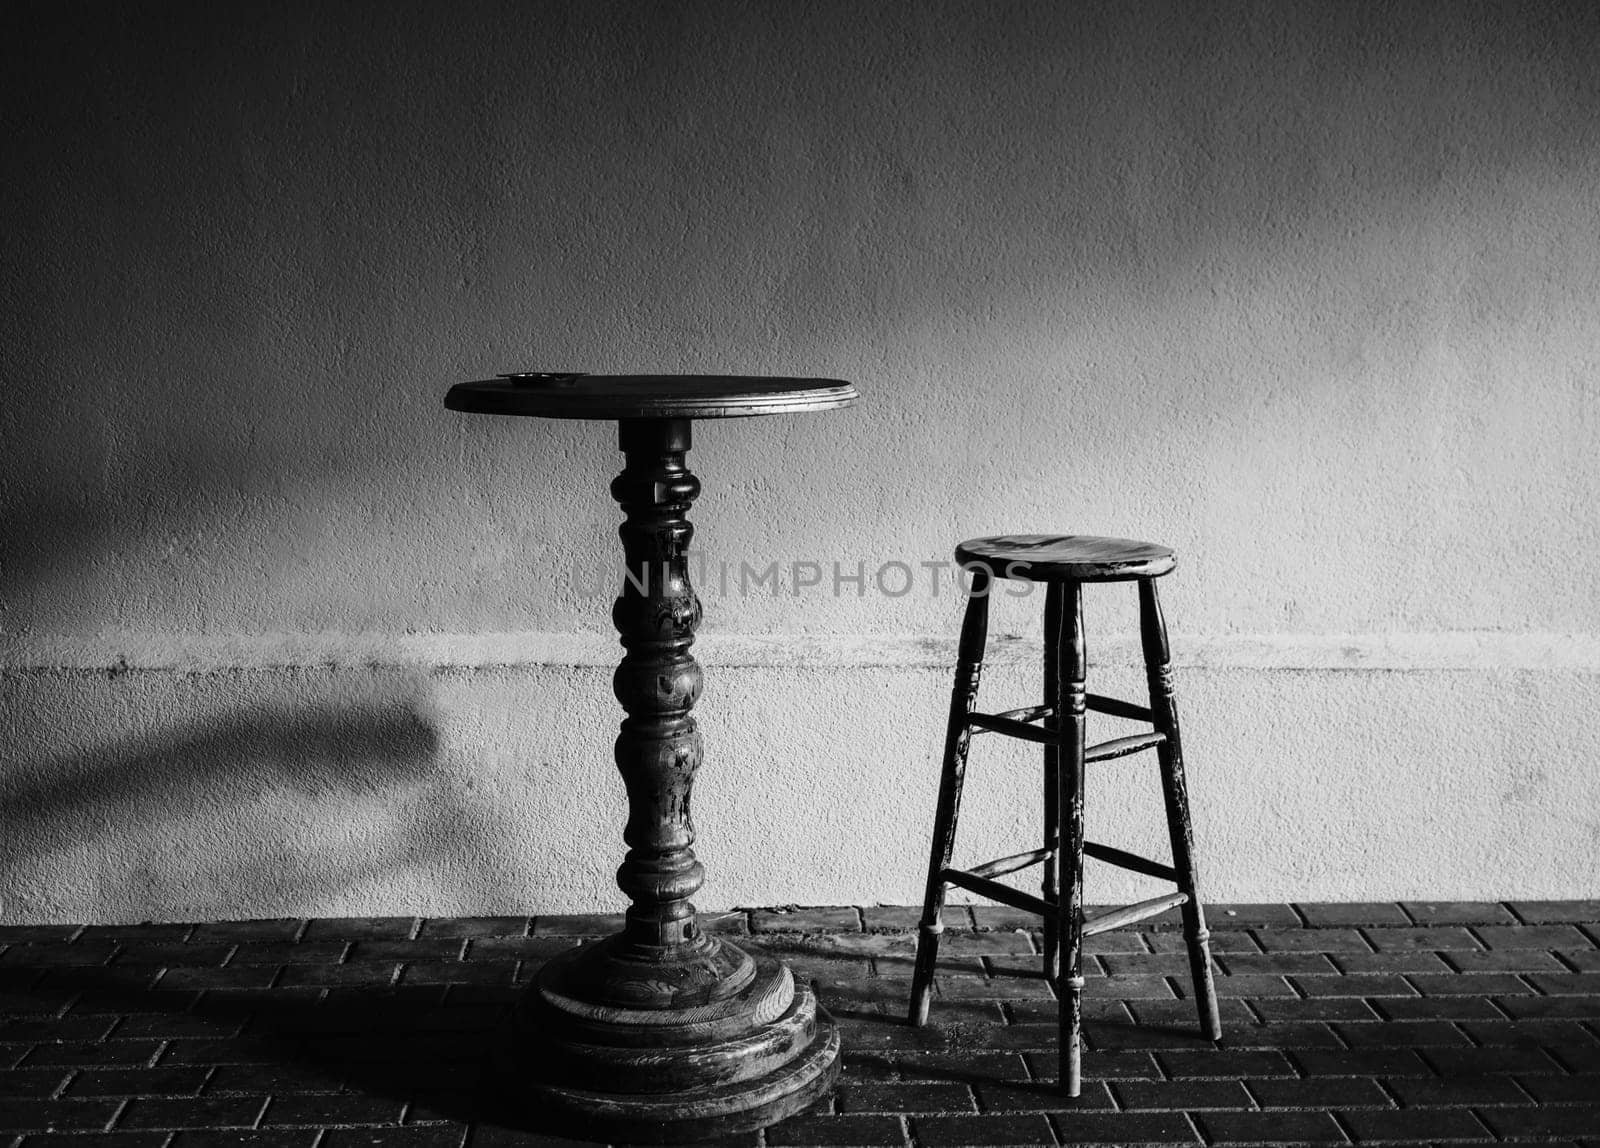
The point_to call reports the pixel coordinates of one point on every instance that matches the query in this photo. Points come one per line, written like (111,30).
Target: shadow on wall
(288,798)
(86,527)
(279,232)
(274,217)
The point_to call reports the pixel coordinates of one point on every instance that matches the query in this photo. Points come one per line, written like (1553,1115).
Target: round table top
(580,396)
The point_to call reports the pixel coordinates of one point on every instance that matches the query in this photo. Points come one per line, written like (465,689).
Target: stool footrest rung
(1122,859)
(1011,864)
(1096,703)
(995,891)
(1118,708)
(1122,746)
(1105,751)
(1127,915)
(1011,727)
(1028,714)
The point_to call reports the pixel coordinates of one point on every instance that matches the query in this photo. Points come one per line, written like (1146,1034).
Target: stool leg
(1153,632)
(1052,772)
(1068,925)
(969,668)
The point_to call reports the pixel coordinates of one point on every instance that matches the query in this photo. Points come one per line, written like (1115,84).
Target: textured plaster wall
(1310,292)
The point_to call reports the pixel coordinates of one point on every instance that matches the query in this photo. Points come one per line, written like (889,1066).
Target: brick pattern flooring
(1370,1024)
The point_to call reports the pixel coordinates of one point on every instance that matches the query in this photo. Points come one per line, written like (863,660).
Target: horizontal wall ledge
(1457,650)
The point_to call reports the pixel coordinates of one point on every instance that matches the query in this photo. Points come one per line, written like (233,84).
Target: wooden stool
(1063,563)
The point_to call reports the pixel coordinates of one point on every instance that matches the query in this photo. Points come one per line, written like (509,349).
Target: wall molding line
(1454,650)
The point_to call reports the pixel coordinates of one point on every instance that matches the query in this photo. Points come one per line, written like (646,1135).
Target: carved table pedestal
(662,1033)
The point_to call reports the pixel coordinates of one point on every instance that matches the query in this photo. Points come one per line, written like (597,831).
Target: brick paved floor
(1380,1023)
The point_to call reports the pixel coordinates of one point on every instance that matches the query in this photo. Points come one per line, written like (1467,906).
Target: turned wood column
(661,959)
(658,749)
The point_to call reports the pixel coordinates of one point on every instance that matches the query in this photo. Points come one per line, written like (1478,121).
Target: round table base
(763,1052)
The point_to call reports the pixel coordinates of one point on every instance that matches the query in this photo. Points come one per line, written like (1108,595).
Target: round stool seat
(1066,557)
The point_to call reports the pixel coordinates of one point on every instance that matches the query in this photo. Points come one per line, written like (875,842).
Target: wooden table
(661,1033)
